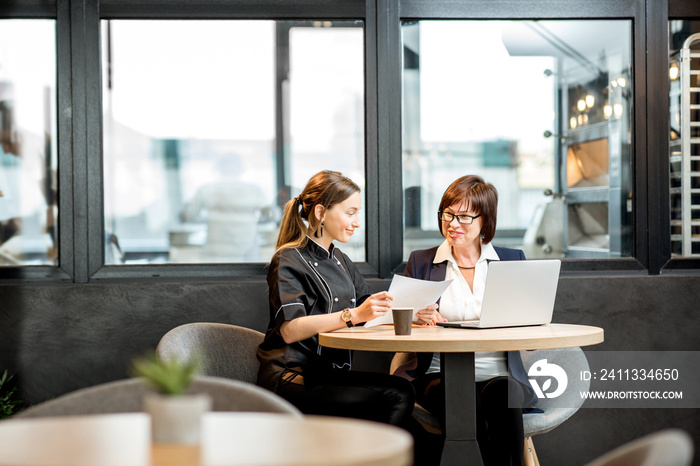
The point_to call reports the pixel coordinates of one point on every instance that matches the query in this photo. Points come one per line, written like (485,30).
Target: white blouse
(458,302)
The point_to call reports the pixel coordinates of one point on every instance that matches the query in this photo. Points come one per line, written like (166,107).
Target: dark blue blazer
(420,265)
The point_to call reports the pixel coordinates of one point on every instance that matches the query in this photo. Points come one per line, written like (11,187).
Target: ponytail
(292,228)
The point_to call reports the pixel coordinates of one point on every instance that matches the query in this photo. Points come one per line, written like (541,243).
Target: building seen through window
(684,142)
(210,127)
(28,159)
(542,110)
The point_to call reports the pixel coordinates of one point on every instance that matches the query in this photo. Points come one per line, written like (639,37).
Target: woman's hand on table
(429,316)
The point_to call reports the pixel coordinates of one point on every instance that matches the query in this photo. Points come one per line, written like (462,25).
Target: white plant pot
(176,418)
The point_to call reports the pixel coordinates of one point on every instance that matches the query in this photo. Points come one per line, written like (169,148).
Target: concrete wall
(62,337)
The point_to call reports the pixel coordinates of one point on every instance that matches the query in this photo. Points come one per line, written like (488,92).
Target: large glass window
(540,109)
(28,161)
(684,144)
(327,108)
(211,126)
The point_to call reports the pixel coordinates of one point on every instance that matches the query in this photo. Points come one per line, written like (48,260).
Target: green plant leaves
(170,377)
(10,400)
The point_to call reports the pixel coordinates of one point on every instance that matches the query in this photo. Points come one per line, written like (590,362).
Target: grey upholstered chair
(559,409)
(224,350)
(124,396)
(670,447)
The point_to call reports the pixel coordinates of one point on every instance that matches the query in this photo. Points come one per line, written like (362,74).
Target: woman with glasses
(467,220)
(314,288)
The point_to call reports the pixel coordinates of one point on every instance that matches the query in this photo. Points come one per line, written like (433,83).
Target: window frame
(79,108)
(634,10)
(81,200)
(38,9)
(236,10)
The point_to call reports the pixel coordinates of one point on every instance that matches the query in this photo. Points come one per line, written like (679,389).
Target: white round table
(227,439)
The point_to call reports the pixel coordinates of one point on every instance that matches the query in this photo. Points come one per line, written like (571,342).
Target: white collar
(444,253)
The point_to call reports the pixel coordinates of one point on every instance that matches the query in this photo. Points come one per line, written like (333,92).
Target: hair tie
(299,207)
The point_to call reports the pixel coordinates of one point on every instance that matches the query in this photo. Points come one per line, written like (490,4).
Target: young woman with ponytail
(314,288)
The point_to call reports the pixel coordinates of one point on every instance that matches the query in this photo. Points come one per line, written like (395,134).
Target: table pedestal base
(455,452)
(461,446)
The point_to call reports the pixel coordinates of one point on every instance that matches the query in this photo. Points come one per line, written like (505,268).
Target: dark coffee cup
(403,320)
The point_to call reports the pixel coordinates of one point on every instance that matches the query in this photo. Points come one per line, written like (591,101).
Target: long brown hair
(326,188)
(481,196)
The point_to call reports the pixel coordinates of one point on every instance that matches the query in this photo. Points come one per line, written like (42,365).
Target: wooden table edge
(382,340)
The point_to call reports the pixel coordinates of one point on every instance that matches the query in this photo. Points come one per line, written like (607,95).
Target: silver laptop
(517,293)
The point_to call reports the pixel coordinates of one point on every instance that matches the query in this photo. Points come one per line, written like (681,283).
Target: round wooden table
(227,439)
(457,347)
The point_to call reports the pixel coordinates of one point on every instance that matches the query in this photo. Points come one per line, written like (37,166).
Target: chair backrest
(224,350)
(558,409)
(125,396)
(670,447)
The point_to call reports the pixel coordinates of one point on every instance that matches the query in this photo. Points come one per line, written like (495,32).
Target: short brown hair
(480,196)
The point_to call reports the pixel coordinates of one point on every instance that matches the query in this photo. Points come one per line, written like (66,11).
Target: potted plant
(175,414)
(10,400)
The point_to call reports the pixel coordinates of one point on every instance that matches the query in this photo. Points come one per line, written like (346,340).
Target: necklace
(463,268)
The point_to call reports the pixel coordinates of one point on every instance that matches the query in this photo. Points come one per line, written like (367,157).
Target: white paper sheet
(411,292)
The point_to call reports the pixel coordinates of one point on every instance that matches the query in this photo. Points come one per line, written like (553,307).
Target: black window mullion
(93,134)
(241,9)
(683,9)
(516,9)
(371,231)
(81,19)
(281,103)
(389,169)
(658,242)
(66,247)
(29,9)
(642,150)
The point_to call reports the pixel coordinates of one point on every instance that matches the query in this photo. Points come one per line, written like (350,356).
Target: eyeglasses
(463,219)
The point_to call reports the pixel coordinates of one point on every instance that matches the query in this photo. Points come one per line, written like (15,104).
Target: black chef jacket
(301,282)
